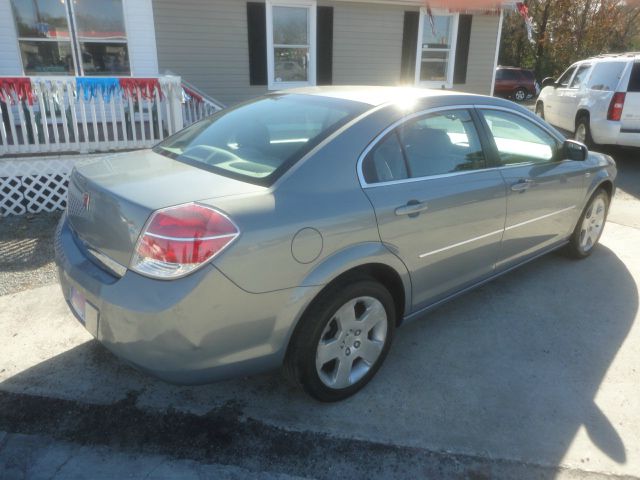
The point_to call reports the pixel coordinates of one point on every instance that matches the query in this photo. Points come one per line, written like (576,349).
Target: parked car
(517,83)
(597,99)
(302,228)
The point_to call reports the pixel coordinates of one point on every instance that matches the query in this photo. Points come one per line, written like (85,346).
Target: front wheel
(342,340)
(540,110)
(590,226)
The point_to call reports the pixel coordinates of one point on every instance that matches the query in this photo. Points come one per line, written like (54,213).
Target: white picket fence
(61,119)
(39,142)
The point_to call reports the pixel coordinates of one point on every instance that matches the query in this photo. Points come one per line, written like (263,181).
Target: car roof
(373,95)
(612,57)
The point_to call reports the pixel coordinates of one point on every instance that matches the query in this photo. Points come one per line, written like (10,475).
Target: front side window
(96,45)
(565,78)
(518,140)
(580,77)
(436,49)
(258,141)
(291,44)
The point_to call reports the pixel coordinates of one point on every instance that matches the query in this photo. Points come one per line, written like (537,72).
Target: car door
(543,189)
(553,105)
(573,96)
(439,208)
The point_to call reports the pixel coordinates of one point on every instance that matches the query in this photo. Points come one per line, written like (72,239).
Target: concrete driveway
(535,375)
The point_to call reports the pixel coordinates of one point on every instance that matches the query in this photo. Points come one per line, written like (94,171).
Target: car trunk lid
(111,198)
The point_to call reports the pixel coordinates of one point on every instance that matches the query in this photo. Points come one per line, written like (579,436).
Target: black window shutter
(462,49)
(409,46)
(257,30)
(324,45)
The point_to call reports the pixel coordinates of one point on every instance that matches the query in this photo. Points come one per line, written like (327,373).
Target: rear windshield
(258,141)
(606,75)
(634,80)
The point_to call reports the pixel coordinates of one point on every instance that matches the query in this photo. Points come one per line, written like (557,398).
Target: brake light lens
(616,106)
(178,240)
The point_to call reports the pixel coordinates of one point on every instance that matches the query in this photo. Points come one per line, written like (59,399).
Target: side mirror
(549,82)
(572,150)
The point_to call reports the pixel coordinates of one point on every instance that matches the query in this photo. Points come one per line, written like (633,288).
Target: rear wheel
(540,110)
(590,226)
(342,340)
(583,131)
(520,95)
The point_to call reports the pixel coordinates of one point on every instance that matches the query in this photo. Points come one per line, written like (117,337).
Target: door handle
(412,208)
(522,185)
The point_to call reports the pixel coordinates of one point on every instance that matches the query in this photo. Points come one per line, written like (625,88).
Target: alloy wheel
(352,342)
(592,224)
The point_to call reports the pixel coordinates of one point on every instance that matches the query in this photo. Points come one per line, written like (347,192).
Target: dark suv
(516,83)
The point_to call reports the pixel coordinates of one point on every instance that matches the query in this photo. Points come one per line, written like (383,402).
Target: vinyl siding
(482,51)
(367,43)
(205,41)
(10,64)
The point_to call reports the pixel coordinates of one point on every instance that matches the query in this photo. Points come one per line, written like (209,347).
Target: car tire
(332,355)
(520,94)
(540,110)
(583,131)
(590,225)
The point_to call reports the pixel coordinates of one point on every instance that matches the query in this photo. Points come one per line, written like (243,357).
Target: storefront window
(48,45)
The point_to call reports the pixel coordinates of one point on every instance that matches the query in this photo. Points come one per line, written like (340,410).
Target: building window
(435,60)
(291,43)
(78,37)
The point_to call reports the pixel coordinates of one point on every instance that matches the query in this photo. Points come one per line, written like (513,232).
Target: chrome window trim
(496,232)
(397,123)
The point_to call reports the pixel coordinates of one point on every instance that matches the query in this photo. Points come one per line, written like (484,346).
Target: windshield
(258,141)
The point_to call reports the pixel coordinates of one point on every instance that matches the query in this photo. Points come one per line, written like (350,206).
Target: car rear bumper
(606,132)
(196,329)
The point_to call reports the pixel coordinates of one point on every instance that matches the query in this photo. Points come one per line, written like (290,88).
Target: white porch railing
(46,122)
(60,117)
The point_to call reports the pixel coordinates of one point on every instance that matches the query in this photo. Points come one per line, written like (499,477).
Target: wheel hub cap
(352,342)
(592,224)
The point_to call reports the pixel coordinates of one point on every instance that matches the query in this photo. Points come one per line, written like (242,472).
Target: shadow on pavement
(509,371)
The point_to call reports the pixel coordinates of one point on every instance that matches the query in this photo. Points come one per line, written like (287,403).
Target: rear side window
(386,162)
(606,76)
(634,80)
(436,144)
(258,141)
(441,143)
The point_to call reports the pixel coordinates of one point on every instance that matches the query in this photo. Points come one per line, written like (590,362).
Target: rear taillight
(178,240)
(616,106)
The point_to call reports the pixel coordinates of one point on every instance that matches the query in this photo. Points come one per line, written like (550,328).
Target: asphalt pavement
(535,375)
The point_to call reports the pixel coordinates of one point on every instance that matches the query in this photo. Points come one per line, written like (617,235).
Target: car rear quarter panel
(321,193)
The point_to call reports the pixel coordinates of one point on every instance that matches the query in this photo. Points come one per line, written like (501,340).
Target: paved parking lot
(535,375)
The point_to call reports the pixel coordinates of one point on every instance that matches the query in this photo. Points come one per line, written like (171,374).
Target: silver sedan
(302,228)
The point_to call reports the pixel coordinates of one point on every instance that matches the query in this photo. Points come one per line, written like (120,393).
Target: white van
(597,99)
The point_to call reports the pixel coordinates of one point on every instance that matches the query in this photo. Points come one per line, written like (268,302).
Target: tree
(567,31)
